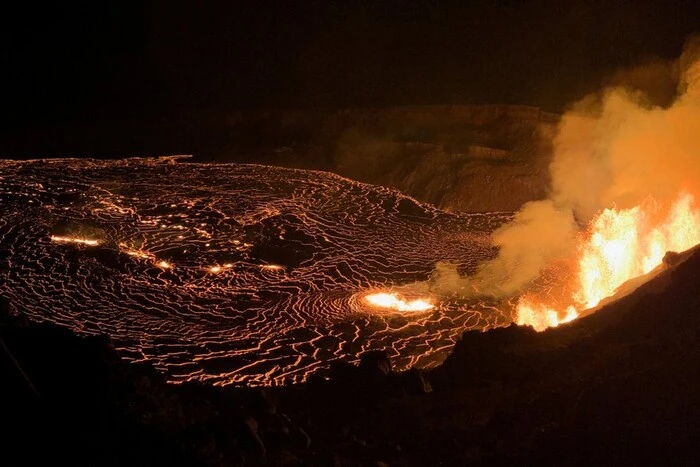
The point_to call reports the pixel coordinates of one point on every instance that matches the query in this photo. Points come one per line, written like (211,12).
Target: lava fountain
(620,244)
(627,165)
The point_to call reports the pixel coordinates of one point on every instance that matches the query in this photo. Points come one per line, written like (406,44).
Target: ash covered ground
(232,273)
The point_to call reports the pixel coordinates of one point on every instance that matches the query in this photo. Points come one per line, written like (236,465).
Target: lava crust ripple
(231,273)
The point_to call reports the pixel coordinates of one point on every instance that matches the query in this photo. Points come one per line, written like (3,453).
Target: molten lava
(620,245)
(392,301)
(77,240)
(541,316)
(259,273)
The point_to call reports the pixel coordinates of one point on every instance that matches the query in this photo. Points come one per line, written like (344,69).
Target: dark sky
(81,61)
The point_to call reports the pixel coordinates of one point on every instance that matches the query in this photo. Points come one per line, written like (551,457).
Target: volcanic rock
(375,362)
(457,157)
(671,258)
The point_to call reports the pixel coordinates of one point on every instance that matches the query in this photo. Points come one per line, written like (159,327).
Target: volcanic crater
(233,273)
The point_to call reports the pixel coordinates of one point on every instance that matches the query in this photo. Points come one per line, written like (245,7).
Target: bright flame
(540,316)
(387,300)
(215,269)
(80,241)
(164,264)
(621,245)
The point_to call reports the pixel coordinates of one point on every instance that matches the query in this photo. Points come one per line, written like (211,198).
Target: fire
(392,300)
(620,245)
(540,316)
(78,240)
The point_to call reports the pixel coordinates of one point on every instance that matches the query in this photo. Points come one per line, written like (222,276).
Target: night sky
(87,61)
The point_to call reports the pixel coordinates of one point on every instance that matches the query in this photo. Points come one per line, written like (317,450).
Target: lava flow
(620,245)
(231,273)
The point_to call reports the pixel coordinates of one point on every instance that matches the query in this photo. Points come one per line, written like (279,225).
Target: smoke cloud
(616,148)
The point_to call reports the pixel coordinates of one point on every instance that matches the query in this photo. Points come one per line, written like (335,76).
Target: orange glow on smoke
(620,245)
(392,301)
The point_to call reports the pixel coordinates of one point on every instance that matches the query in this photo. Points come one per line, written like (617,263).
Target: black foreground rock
(620,387)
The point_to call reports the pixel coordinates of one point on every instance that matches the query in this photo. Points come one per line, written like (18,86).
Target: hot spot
(394,302)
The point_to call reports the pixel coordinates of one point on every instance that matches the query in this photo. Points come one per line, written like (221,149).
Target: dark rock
(671,258)
(252,425)
(414,381)
(458,157)
(342,372)
(375,361)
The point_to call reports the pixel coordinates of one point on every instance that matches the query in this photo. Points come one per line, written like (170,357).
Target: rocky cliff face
(469,158)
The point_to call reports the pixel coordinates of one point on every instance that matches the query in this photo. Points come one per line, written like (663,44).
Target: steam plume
(616,148)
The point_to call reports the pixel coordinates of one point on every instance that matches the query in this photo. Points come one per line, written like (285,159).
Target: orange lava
(541,316)
(620,245)
(259,273)
(392,301)
(78,240)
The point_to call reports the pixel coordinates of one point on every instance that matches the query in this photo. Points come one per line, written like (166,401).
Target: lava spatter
(230,273)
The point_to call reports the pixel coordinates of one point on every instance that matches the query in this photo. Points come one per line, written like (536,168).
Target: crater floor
(232,273)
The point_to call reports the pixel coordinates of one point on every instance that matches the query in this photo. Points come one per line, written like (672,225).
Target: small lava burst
(138,253)
(77,240)
(392,301)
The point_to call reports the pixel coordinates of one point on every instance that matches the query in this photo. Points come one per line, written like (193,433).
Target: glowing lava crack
(232,273)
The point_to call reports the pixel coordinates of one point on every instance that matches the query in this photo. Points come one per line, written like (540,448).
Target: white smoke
(617,147)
